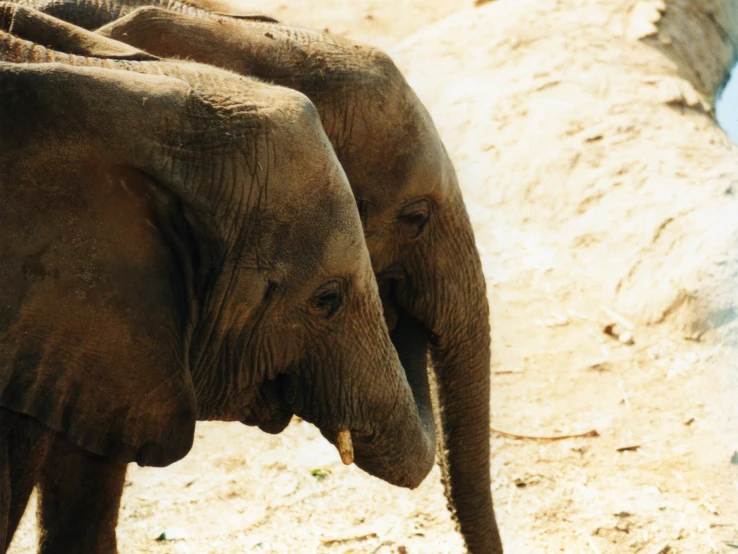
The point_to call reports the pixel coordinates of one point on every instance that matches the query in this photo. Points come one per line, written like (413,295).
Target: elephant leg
(24,444)
(79,498)
(26,454)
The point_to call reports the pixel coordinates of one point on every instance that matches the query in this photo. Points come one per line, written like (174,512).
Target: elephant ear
(93,303)
(45,30)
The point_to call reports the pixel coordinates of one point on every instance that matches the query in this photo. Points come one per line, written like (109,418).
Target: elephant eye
(327,300)
(414,216)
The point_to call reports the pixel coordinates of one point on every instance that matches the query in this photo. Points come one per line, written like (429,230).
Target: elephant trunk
(387,410)
(462,376)
(453,305)
(404,452)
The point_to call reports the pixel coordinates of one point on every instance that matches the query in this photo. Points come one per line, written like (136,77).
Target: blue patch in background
(726,107)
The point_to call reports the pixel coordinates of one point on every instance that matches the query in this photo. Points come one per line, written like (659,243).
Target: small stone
(601,367)
(172,534)
(626,338)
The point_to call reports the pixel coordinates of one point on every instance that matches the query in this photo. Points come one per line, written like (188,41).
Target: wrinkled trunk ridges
(461,363)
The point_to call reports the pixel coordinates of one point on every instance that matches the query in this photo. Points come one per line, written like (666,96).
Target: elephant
(416,227)
(180,243)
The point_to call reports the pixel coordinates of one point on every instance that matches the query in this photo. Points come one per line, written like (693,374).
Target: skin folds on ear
(92,304)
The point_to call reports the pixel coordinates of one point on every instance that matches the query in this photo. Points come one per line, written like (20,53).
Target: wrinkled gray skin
(416,227)
(179,243)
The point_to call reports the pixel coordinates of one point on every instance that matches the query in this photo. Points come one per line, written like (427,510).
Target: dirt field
(599,189)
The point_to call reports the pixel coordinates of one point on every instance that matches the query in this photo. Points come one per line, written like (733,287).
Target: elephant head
(416,226)
(181,243)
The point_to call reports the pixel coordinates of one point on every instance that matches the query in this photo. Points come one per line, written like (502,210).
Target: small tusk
(345,447)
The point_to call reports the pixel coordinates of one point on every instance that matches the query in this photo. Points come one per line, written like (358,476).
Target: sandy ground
(562,263)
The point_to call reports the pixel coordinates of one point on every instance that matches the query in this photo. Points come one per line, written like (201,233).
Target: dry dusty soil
(573,140)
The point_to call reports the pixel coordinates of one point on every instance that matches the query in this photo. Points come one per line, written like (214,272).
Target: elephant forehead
(315,259)
(426,165)
(329,235)
(410,163)
(421,171)
(345,252)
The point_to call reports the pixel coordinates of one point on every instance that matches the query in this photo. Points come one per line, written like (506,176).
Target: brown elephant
(180,243)
(417,230)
